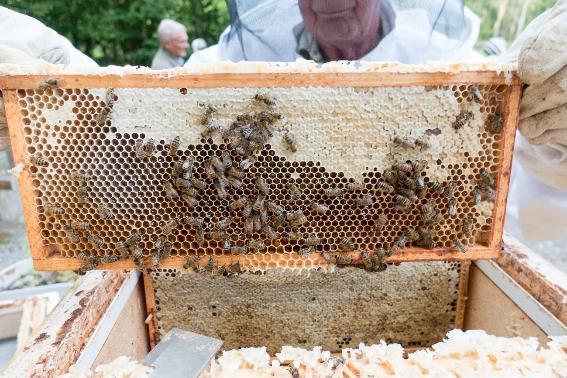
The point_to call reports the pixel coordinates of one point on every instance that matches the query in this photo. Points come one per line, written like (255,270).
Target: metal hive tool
(98,159)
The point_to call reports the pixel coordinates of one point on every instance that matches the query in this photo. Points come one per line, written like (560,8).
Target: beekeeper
(285,30)
(387,30)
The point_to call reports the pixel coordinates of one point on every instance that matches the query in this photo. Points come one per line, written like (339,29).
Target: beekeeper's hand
(542,64)
(24,41)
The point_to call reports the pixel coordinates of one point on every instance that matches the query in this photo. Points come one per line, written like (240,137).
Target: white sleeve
(34,39)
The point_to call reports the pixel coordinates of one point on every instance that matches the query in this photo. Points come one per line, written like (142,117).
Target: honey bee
(247,209)
(49,83)
(235,172)
(83,194)
(269,116)
(269,232)
(342,260)
(234,182)
(174,146)
(170,191)
(238,203)
(292,235)
(264,98)
(476,94)
(223,223)
(422,144)
(191,262)
(218,235)
(428,207)
(79,176)
(71,233)
(380,222)
(411,234)
(110,259)
(298,219)
(52,209)
(95,240)
(489,194)
(194,221)
(486,178)
(185,186)
(390,176)
(468,225)
(104,211)
(402,208)
(200,236)
(264,215)
(289,142)
(217,164)
(255,245)
(452,207)
(435,185)
(201,185)
(258,204)
(426,238)
(262,185)
(189,200)
(346,245)
(133,239)
(419,165)
(364,201)
(311,241)
(38,160)
(139,149)
(169,226)
(460,246)
(149,148)
(462,119)
(206,116)
(404,167)
(246,163)
(402,142)
(319,208)
(257,222)
(385,187)
(237,250)
(138,255)
(79,225)
(419,183)
(187,164)
(404,201)
(477,196)
(305,252)
(496,123)
(209,170)
(408,183)
(122,248)
(334,362)
(220,186)
(333,192)
(293,372)
(449,191)
(294,192)
(354,186)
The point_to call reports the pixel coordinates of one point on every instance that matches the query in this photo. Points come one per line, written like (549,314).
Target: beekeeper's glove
(542,64)
(24,41)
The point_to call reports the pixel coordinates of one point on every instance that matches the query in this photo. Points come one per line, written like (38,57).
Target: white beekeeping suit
(26,41)
(443,30)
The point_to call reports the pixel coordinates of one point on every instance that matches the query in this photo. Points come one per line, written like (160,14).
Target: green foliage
(124,31)
(514,18)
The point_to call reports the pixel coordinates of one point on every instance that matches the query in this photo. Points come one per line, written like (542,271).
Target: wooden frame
(45,259)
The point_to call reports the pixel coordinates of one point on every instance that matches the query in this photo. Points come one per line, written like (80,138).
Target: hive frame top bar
(255,74)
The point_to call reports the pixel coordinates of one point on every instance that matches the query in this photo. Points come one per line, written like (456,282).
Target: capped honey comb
(103,155)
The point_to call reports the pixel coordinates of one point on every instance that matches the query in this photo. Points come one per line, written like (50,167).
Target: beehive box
(350,129)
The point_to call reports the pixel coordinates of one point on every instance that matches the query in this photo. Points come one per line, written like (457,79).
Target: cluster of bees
(246,137)
(463,118)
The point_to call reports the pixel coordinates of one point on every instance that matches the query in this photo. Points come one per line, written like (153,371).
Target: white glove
(27,42)
(542,63)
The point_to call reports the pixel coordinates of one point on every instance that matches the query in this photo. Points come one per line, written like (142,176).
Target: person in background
(173,47)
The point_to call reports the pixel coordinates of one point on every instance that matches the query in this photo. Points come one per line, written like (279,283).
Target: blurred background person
(174,43)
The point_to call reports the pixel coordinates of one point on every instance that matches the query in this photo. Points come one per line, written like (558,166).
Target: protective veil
(423,31)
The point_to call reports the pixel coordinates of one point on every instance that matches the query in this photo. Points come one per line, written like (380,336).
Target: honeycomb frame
(48,256)
(335,309)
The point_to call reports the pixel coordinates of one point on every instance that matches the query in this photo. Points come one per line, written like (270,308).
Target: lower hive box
(413,304)
(305,168)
